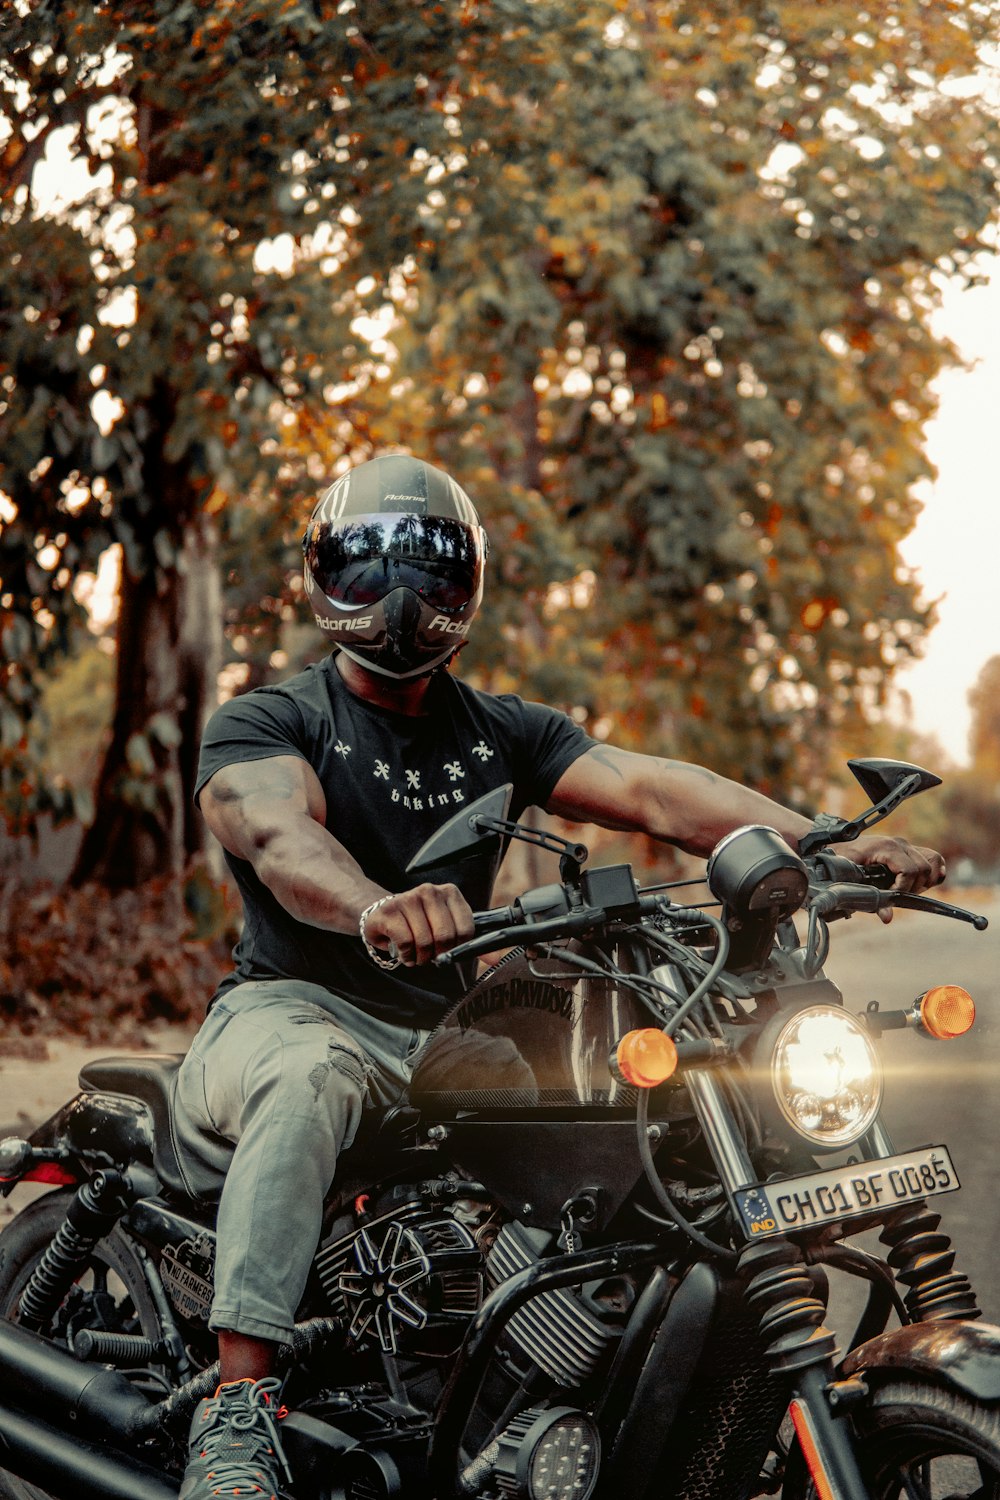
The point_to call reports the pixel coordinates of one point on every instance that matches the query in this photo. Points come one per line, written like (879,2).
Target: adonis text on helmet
(364,622)
(361,624)
(450,627)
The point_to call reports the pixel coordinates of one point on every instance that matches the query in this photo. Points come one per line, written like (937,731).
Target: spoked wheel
(111,1294)
(921,1442)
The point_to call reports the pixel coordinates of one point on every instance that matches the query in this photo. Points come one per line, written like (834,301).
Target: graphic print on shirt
(408,790)
(416,797)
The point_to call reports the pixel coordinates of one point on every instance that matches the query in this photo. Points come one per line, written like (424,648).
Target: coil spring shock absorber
(924,1261)
(781,1292)
(96,1208)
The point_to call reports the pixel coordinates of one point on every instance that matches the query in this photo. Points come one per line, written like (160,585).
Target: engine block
(408,1282)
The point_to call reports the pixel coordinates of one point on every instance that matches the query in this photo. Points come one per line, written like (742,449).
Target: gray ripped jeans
(270,1093)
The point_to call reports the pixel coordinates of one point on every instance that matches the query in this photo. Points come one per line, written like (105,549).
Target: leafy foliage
(691,312)
(107,968)
(246,168)
(654,280)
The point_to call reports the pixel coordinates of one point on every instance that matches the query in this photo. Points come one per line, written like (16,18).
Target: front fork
(798,1346)
(797,1343)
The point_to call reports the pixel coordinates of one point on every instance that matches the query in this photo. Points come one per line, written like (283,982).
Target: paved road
(940,1091)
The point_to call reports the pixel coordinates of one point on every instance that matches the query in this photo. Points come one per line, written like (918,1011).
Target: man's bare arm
(272,813)
(671,800)
(692,808)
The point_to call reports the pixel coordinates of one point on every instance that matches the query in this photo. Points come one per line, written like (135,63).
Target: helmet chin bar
(400,636)
(424,670)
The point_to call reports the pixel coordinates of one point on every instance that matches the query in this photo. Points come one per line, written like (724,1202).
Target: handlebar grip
(493,920)
(837,867)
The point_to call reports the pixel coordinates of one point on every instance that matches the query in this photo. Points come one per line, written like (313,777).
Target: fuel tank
(532,1034)
(519,1069)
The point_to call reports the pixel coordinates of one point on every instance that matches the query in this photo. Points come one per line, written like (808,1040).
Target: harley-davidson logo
(516,994)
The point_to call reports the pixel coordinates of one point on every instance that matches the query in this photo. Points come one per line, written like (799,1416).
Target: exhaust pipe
(100,1419)
(38,1378)
(70,1468)
(41,1385)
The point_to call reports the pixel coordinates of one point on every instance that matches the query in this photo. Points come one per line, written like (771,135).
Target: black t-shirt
(390,781)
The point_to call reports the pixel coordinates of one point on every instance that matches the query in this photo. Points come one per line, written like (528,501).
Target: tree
(693,313)
(984,734)
(972,799)
(254,174)
(661,276)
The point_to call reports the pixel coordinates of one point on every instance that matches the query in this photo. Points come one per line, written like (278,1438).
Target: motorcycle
(589,1255)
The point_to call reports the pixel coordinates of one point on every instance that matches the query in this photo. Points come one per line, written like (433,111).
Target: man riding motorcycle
(321,790)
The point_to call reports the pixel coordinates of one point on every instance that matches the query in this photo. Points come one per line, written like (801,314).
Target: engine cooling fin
(555,1329)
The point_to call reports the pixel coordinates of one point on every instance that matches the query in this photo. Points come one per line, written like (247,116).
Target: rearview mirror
(878,778)
(461,837)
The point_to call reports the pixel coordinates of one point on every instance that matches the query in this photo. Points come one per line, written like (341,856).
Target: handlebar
(507,926)
(494,919)
(827,866)
(837,888)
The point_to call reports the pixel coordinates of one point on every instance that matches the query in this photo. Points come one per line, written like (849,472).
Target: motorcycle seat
(150,1078)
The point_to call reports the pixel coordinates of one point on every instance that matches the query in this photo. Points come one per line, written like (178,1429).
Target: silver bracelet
(392,962)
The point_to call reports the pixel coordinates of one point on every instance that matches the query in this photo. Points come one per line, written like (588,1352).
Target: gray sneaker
(234,1448)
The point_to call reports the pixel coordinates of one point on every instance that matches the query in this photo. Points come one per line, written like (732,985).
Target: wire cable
(708,979)
(642,984)
(711,1247)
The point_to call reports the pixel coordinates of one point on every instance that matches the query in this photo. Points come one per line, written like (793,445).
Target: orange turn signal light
(646,1058)
(947,1011)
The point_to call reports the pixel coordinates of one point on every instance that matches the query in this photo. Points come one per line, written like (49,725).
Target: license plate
(798,1203)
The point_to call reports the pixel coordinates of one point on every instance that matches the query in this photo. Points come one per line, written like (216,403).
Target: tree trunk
(200,662)
(169,652)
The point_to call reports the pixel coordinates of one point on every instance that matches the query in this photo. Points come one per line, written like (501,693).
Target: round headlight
(827,1076)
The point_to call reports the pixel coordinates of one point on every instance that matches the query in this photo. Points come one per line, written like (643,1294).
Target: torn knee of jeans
(340,1059)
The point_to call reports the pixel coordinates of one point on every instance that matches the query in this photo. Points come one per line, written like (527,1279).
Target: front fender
(965,1356)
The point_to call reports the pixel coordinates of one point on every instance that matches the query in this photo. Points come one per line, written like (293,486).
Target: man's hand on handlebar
(421,923)
(916,869)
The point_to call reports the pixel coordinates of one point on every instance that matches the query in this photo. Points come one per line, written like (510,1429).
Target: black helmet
(394,556)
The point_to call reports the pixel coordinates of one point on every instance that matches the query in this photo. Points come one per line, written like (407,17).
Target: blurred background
(699,302)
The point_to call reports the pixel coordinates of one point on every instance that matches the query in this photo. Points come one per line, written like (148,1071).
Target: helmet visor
(359,561)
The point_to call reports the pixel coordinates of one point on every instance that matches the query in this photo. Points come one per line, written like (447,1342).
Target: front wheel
(919,1442)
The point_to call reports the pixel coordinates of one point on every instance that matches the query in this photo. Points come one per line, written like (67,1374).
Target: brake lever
(842,899)
(940,908)
(484,943)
